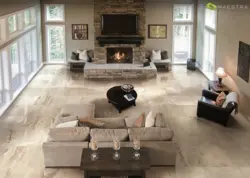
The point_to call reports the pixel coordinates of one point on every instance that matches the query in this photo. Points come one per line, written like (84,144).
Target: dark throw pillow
(164,55)
(146,64)
(75,56)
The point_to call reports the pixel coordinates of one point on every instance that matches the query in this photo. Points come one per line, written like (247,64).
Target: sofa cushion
(113,123)
(135,121)
(159,120)
(82,111)
(69,134)
(68,124)
(150,134)
(104,135)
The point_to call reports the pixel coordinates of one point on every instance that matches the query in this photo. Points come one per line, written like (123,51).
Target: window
(27,18)
(210,18)
(14,60)
(182,33)
(12,21)
(182,43)
(28,52)
(209,53)
(54,12)
(183,13)
(55,43)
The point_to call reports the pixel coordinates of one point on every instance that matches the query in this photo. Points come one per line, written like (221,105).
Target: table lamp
(220,74)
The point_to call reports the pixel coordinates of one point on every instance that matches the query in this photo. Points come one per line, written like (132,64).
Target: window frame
(46,14)
(205,20)
(184,21)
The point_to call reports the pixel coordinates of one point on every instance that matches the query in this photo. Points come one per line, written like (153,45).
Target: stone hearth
(119,7)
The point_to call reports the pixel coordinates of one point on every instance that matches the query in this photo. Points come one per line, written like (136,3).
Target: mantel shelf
(103,40)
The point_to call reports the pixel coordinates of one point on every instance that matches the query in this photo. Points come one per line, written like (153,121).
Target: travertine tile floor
(206,150)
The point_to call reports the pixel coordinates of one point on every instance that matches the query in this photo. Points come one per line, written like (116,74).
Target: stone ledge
(119,71)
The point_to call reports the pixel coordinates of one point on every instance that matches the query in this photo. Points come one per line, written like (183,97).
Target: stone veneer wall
(119,7)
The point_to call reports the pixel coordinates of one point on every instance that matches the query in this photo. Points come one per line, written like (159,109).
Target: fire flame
(119,56)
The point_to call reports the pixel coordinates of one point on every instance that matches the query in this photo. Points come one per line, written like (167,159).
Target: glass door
(182,43)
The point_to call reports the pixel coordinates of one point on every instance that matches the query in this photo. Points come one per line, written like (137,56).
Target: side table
(214,86)
(76,66)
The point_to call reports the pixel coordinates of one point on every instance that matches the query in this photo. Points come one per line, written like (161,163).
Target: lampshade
(221,72)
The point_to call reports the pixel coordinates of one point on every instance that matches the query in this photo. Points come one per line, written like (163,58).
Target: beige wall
(233,26)
(161,12)
(82,13)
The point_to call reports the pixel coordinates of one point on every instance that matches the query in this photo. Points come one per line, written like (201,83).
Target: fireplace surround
(103,42)
(119,55)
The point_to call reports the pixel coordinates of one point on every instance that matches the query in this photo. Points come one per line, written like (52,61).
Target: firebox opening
(119,55)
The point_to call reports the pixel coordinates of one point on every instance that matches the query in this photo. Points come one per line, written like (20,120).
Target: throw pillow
(68,124)
(156,55)
(146,64)
(164,55)
(140,122)
(83,55)
(159,120)
(150,119)
(220,99)
(75,56)
(91,123)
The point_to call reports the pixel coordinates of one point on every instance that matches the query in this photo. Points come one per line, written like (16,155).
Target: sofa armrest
(212,111)
(63,154)
(209,94)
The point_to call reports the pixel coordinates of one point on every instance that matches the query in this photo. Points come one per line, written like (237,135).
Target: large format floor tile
(205,149)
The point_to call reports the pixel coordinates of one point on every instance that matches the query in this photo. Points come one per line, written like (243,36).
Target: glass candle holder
(116,147)
(94,155)
(136,146)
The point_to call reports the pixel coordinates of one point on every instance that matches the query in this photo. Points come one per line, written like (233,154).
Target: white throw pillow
(83,55)
(156,55)
(68,124)
(150,119)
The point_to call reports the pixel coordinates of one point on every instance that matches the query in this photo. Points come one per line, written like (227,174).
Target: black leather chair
(208,109)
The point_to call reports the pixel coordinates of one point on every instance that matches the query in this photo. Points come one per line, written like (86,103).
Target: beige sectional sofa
(64,145)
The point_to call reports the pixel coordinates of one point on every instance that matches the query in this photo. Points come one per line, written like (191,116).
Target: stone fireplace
(119,55)
(137,50)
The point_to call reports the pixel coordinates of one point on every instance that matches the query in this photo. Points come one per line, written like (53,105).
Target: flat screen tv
(119,24)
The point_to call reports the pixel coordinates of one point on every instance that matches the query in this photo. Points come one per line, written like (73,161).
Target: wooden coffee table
(107,166)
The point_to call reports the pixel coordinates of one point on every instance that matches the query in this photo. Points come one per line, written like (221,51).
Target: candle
(116,145)
(93,145)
